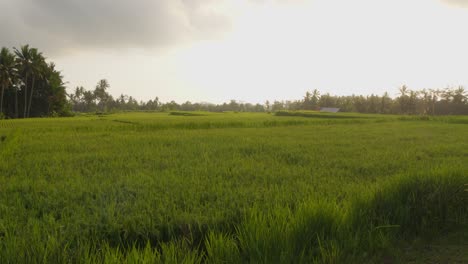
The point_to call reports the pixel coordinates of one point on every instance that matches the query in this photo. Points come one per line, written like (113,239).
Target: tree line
(448,101)
(32,87)
(99,100)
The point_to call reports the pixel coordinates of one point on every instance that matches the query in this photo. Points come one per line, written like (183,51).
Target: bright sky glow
(280,49)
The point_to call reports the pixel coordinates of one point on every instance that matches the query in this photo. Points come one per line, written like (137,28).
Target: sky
(247,50)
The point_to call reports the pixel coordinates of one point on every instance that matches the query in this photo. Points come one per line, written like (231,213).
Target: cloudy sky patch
(251,50)
(57,25)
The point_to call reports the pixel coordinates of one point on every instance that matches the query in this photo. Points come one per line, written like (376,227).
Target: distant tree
(446,95)
(403,99)
(412,101)
(452,101)
(77,99)
(187,106)
(89,100)
(459,95)
(101,95)
(267,105)
(327,100)
(434,95)
(277,106)
(373,104)
(385,104)
(259,108)
(425,103)
(315,98)
(311,100)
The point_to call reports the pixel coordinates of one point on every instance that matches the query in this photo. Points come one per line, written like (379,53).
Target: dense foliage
(30,87)
(228,187)
(424,102)
(100,100)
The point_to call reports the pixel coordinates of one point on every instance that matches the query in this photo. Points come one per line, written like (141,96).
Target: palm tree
(426,100)
(311,100)
(384,106)
(38,68)
(101,94)
(307,100)
(403,90)
(434,94)
(315,94)
(31,64)
(25,67)
(403,99)
(447,95)
(413,96)
(459,95)
(7,71)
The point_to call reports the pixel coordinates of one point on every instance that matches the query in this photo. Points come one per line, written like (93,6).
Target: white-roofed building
(329,109)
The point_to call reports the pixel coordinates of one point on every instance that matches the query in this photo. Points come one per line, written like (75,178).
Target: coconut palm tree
(25,67)
(426,101)
(459,95)
(38,67)
(31,62)
(403,90)
(101,94)
(7,71)
(434,95)
(315,97)
(447,95)
(404,100)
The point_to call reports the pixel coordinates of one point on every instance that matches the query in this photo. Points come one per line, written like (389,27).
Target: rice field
(185,187)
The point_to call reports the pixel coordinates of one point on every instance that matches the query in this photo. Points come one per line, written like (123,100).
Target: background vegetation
(448,101)
(31,87)
(229,187)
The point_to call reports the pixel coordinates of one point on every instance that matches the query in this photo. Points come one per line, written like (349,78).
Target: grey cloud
(63,25)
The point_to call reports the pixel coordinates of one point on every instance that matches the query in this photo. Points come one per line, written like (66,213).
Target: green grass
(228,187)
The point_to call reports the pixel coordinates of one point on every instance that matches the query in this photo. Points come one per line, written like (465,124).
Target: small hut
(329,109)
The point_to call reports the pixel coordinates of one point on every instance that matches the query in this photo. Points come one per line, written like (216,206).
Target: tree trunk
(433,106)
(25,96)
(16,103)
(1,98)
(48,107)
(31,95)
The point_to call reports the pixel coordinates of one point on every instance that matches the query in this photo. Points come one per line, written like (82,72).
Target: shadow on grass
(182,113)
(366,228)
